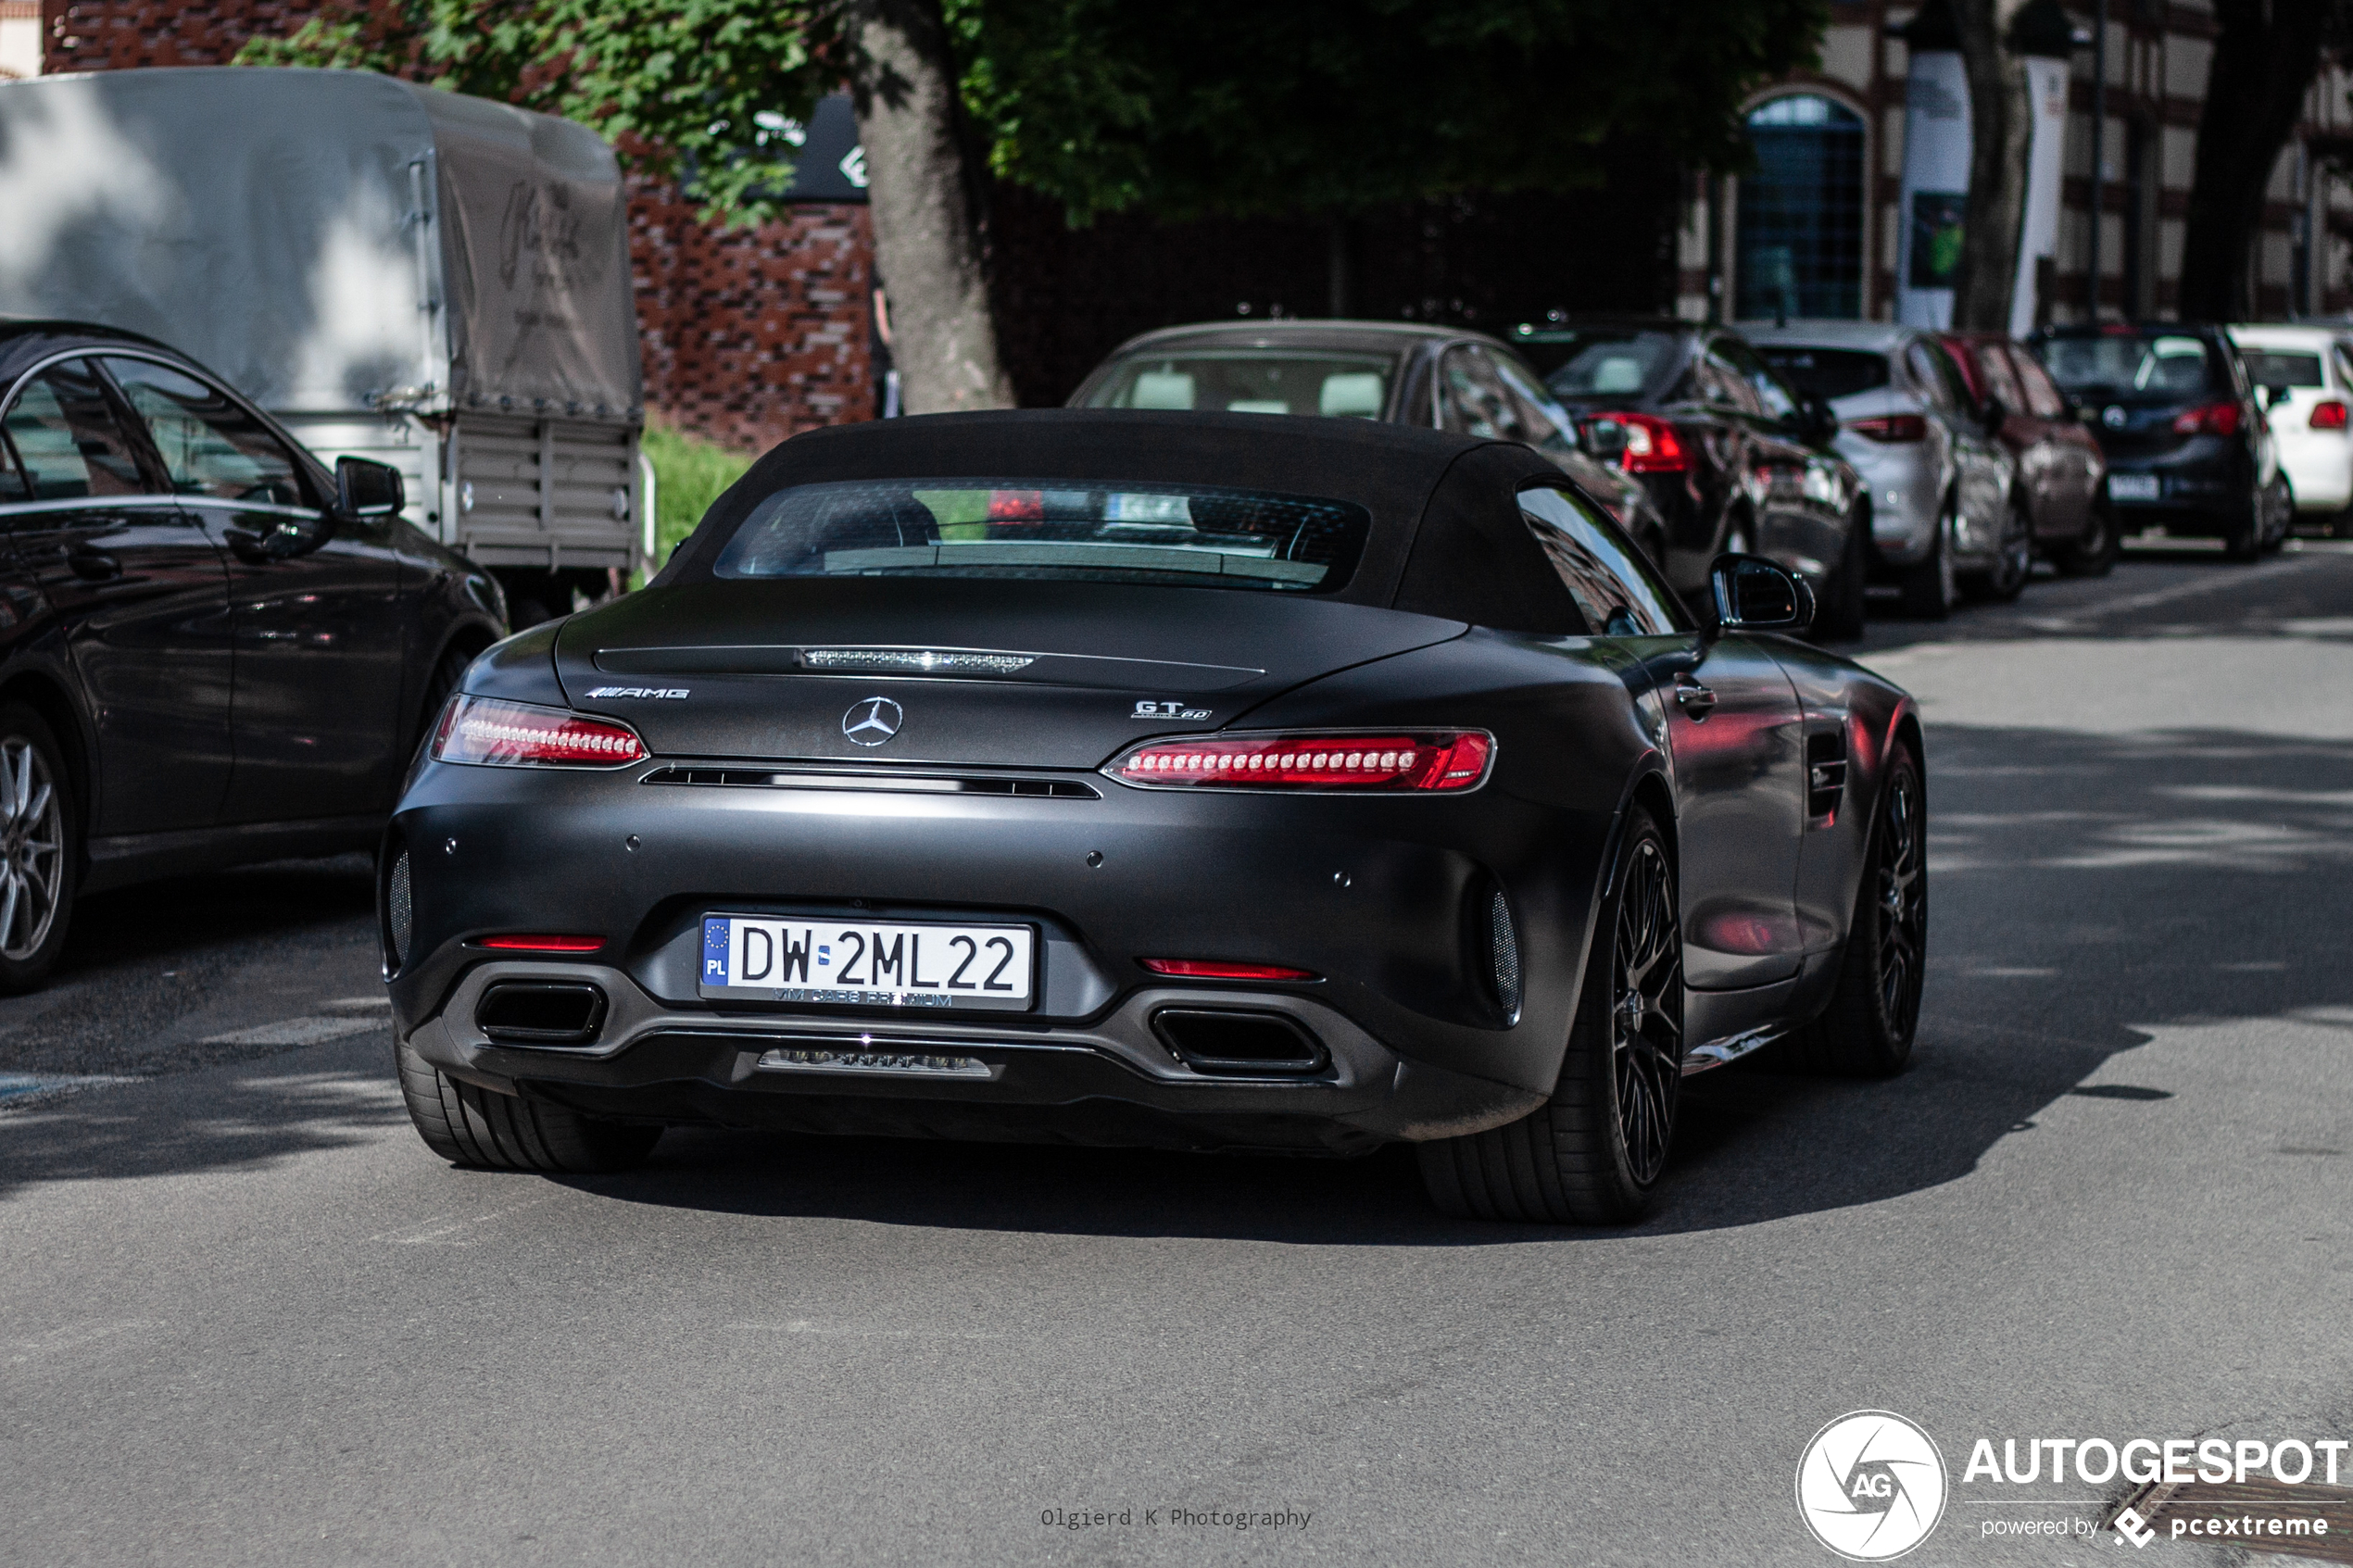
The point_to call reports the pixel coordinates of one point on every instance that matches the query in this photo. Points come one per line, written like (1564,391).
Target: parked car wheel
(1594,1154)
(1840,620)
(2242,536)
(485,1131)
(2279,511)
(2093,552)
(40,849)
(2013,560)
(1866,1031)
(1930,587)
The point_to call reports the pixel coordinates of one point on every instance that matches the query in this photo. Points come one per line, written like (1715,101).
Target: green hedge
(689,473)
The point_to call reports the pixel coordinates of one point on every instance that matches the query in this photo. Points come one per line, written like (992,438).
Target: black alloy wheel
(2001,581)
(2093,552)
(1867,1030)
(1593,1153)
(40,849)
(1930,587)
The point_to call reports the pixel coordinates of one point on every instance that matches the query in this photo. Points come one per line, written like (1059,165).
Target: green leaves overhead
(1236,107)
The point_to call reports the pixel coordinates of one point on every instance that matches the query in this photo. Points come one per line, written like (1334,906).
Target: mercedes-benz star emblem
(871,720)
(2114,416)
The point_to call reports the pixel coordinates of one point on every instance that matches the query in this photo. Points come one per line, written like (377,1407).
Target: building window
(1800,245)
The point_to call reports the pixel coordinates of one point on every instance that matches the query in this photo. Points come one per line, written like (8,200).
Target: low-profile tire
(2279,505)
(1867,1032)
(40,849)
(1593,1154)
(2013,560)
(1840,620)
(485,1131)
(2093,552)
(1930,587)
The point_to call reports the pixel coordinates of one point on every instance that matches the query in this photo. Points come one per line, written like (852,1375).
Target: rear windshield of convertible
(1189,535)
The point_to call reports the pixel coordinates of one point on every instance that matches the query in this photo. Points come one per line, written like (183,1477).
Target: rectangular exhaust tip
(1229,1043)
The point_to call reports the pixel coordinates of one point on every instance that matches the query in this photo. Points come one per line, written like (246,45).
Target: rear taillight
(1382,763)
(2210,419)
(2328,415)
(520,735)
(1651,442)
(1891,427)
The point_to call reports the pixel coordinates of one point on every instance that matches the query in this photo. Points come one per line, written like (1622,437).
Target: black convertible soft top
(1446,539)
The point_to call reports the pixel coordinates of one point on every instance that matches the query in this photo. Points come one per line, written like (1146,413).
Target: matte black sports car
(212,651)
(1194,780)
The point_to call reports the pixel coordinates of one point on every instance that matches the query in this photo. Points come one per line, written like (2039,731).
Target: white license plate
(868,963)
(2134,487)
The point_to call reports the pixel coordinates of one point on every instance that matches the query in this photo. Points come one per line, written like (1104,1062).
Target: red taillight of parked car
(1891,427)
(1651,442)
(2328,415)
(489,732)
(2210,419)
(1383,762)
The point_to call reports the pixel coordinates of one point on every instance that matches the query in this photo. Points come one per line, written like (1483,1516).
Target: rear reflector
(532,943)
(1390,762)
(486,732)
(1197,968)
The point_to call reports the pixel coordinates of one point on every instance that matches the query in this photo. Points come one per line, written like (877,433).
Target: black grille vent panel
(1825,772)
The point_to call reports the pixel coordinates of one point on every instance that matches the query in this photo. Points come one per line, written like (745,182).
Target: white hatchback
(2309,423)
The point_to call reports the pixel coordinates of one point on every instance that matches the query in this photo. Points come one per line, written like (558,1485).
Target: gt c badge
(871,720)
(1168,711)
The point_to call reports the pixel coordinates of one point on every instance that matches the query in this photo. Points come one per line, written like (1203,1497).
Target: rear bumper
(1109,1082)
(1385,899)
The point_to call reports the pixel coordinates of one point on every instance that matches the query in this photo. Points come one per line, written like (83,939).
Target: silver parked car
(1946,516)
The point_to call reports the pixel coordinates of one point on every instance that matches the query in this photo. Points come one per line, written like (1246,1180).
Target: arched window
(1800,214)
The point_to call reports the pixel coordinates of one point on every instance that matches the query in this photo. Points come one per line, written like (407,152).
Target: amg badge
(671,692)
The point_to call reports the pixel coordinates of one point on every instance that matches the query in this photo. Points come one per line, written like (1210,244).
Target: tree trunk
(2001,125)
(2266,54)
(924,194)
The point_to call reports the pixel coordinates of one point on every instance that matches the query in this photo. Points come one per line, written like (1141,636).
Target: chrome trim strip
(1715,1053)
(91,504)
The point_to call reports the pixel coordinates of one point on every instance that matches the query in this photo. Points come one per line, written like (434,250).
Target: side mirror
(1604,440)
(2272,397)
(368,489)
(1756,594)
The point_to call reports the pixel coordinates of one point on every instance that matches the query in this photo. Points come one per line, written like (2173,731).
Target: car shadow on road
(2087,890)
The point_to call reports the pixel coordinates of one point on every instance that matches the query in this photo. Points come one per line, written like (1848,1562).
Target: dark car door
(141,596)
(317,606)
(2058,458)
(1734,740)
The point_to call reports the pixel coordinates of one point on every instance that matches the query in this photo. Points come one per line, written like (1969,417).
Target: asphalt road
(245,1318)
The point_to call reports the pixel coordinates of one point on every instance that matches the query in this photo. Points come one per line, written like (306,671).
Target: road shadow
(2086,890)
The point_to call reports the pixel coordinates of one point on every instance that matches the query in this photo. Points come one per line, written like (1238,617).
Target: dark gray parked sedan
(1437,378)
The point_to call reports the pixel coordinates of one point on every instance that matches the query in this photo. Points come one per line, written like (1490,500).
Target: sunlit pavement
(247,1319)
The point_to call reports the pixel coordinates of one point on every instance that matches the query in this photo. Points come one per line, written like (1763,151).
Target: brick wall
(749,336)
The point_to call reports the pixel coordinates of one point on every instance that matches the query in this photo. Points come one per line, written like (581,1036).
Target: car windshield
(1342,386)
(2130,367)
(1827,372)
(1054,529)
(1602,361)
(2282,366)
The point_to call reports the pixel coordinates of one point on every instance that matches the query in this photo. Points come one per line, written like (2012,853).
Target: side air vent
(1222,1044)
(900,783)
(399,917)
(1825,772)
(541,1013)
(1503,944)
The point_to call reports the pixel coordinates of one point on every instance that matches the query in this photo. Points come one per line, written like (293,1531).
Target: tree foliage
(1227,107)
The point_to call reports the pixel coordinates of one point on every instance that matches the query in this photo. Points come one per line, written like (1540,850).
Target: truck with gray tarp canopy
(435,281)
